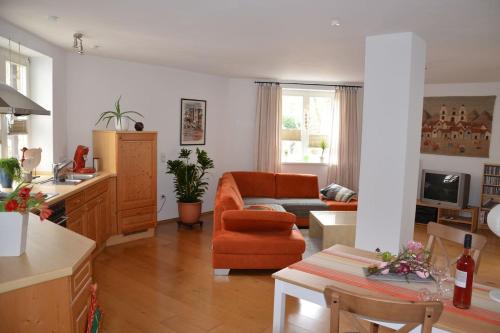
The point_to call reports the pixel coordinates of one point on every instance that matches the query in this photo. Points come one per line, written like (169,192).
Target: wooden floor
(165,284)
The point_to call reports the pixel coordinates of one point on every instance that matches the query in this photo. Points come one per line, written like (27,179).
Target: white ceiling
(279,39)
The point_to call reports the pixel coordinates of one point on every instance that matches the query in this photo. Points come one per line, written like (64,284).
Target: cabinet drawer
(80,309)
(95,190)
(74,202)
(81,278)
(137,219)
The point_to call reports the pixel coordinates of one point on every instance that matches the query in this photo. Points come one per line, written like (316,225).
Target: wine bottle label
(460,278)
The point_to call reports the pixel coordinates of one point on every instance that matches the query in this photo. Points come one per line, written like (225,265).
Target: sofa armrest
(257,220)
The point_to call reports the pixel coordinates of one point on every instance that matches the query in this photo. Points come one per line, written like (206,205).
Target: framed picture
(193,121)
(457,125)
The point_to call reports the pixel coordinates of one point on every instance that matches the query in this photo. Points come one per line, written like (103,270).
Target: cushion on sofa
(260,201)
(273,207)
(296,186)
(342,206)
(337,192)
(284,242)
(302,206)
(255,184)
(257,221)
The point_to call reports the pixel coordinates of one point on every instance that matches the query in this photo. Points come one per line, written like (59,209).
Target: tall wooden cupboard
(132,157)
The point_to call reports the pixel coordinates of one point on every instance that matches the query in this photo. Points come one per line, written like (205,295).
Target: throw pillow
(338,193)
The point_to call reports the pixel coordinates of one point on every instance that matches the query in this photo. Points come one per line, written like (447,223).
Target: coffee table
(334,227)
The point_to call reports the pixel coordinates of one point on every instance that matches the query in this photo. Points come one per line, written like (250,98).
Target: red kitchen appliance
(80,158)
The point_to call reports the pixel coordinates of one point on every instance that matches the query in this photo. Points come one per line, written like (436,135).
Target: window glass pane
(292,112)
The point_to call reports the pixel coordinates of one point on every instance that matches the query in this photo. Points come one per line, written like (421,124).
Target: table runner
(348,268)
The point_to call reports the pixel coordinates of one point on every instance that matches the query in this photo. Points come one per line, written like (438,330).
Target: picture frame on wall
(193,121)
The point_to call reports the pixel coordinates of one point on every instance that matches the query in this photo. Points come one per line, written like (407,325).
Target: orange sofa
(255,215)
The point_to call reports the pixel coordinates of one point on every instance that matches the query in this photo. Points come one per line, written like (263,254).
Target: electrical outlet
(163,157)
(163,196)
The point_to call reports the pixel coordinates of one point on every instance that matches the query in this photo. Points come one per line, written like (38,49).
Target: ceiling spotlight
(335,23)
(77,42)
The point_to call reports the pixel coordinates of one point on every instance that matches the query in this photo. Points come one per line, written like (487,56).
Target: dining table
(344,267)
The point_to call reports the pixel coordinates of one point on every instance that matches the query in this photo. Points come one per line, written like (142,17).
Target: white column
(392,116)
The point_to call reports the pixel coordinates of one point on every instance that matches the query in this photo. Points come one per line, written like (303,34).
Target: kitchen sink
(71,179)
(80,176)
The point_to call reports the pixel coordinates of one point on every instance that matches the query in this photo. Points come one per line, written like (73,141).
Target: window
(307,125)
(16,127)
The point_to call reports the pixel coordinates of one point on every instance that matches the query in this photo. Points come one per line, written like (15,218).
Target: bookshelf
(490,192)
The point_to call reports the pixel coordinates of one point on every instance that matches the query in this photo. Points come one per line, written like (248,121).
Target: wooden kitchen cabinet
(76,219)
(132,157)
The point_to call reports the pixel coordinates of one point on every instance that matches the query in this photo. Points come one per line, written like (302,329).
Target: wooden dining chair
(437,232)
(358,308)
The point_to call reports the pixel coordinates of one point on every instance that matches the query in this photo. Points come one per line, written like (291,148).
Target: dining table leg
(279,307)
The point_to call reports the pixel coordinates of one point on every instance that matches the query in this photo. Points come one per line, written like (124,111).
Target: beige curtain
(344,152)
(268,127)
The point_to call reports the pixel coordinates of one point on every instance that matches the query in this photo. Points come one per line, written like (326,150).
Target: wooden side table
(334,227)
(455,215)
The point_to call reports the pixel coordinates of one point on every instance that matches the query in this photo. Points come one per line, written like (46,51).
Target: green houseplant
(118,116)
(190,182)
(10,170)
(323,145)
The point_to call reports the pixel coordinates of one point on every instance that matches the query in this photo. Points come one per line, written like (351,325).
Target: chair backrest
(437,232)
(355,306)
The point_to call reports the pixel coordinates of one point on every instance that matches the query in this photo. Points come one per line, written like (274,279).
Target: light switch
(163,157)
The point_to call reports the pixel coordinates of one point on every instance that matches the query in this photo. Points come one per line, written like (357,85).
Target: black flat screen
(441,187)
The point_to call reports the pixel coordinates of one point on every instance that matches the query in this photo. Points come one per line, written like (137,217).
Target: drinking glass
(440,271)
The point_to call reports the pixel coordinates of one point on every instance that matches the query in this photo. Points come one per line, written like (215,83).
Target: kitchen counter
(52,252)
(65,191)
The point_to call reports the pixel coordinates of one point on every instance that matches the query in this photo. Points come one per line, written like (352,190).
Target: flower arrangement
(21,201)
(413,258)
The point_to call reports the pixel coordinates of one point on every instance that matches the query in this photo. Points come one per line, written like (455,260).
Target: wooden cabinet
(90,211)
(132,157)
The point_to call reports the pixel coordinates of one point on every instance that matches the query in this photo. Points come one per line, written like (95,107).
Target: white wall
(471,165)
(94,83)
(58,56)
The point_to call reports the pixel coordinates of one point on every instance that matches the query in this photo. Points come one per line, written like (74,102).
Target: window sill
(305,163)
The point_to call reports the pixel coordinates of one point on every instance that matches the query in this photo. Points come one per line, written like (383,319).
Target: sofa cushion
(257,220)
(255,184)
(273,207)
(338,193)
(284,242)
(296,186)
(259,201)
(301,206)
(342,206)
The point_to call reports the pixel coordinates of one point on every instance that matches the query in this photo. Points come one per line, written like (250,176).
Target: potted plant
(190,183)
(10,170)
(323,145)
(14,215)
(118,116)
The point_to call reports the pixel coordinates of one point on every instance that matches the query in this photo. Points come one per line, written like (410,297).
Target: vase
(5,179)
(13,233)
(189,212)
(121,124)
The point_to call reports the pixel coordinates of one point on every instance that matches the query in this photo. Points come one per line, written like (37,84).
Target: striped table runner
(343,267)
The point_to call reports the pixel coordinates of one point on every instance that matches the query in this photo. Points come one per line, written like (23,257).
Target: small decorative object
(139,126)
(120,117)
(323,145)
(190,183)
(411,264)
(10,170)
(14,215)
(193,121)
(457,125)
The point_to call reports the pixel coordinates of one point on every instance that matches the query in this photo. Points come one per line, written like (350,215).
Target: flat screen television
(445,187)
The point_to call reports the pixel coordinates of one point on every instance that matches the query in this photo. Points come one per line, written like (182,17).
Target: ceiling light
(53,18)
(335,23)
(77,42)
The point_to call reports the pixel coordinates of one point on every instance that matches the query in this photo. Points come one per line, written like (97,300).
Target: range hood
(13,102)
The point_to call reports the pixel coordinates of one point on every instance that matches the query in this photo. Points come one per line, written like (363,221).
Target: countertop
(52,252)
(65,191)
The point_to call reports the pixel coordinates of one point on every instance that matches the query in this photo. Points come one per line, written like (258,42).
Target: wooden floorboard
(165,284)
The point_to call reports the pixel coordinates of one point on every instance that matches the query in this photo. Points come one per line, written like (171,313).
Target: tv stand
(456,216)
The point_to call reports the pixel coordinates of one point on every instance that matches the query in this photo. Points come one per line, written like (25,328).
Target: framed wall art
(193,121)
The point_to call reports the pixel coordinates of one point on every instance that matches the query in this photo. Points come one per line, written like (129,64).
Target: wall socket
(163,196)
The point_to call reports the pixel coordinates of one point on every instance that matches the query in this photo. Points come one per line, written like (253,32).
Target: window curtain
(268,127)
(344,151)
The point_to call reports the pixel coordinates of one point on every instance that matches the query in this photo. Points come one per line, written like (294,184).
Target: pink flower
(382,264)
(422,274)
(403,268)
(385,271)
(414,246)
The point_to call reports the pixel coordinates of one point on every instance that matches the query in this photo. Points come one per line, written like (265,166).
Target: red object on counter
(464,276)
(81,153)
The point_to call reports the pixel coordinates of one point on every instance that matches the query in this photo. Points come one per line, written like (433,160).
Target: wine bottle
(463,278)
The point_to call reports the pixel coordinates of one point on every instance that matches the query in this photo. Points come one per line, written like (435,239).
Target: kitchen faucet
(58,167)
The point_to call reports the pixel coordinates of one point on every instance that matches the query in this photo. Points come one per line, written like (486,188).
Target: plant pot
(13,232)
(5,179)
(189,212)
(121,124)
